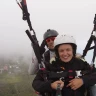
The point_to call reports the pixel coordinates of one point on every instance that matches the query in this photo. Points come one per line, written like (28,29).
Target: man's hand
(75,83)
(54,84)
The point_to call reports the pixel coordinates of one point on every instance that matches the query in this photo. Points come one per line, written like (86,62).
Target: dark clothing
(75,64)
(47,57)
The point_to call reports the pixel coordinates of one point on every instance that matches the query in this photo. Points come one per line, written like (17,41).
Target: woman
(65,50)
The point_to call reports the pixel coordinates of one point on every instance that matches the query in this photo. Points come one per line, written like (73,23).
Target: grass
(9,79)
(16,85)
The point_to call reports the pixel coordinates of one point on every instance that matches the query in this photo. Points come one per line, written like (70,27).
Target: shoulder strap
(47,56)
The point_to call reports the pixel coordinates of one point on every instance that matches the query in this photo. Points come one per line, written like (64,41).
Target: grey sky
(66,16)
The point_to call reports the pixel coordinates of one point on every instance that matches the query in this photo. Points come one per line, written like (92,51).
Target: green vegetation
(16,85)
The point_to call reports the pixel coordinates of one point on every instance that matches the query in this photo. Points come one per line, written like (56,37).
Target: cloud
(66,16)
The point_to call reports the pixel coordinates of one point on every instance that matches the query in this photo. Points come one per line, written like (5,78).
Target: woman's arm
(40,85)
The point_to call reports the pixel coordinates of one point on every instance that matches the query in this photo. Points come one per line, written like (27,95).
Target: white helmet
(62,39)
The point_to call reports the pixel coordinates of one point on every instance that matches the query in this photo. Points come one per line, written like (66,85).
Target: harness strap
(67,74)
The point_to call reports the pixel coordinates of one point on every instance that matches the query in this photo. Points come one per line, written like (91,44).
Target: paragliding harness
(33,38)
(67,74)
(36,48)
(26,17)
(87,48)
(91,39)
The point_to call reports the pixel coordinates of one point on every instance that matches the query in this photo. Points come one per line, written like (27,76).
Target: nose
(51,41)
(64,52)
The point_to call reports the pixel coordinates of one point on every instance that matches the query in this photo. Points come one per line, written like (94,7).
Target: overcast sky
(66,16)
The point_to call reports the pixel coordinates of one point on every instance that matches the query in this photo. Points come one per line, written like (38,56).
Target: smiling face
(65,52)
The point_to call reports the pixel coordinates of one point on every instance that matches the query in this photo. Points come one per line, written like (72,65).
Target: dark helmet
(50,33)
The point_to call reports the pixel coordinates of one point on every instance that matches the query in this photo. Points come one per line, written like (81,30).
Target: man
(49,37)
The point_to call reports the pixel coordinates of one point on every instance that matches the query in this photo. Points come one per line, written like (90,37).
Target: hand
(75,83)
(54,84)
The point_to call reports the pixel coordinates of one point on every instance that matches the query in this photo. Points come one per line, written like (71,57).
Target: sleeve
(90,78)
(34,66)
(40,85)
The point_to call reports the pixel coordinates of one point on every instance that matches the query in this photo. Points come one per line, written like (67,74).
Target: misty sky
(66,16)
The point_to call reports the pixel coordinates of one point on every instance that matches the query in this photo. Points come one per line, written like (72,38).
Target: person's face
(65,52)
(50,42)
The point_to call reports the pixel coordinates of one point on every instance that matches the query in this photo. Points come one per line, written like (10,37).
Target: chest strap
(67,74)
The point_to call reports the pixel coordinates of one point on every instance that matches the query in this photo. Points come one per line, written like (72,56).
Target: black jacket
(47,56)
(75,64)
(47,59)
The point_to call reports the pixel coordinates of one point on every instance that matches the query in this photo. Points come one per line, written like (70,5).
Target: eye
(61,50)
(68,49)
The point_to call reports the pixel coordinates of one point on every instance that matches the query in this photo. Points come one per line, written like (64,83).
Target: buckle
(62,78)
(71,74)
(78,74)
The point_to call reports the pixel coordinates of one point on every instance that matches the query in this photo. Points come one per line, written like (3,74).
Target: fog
(66,16)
